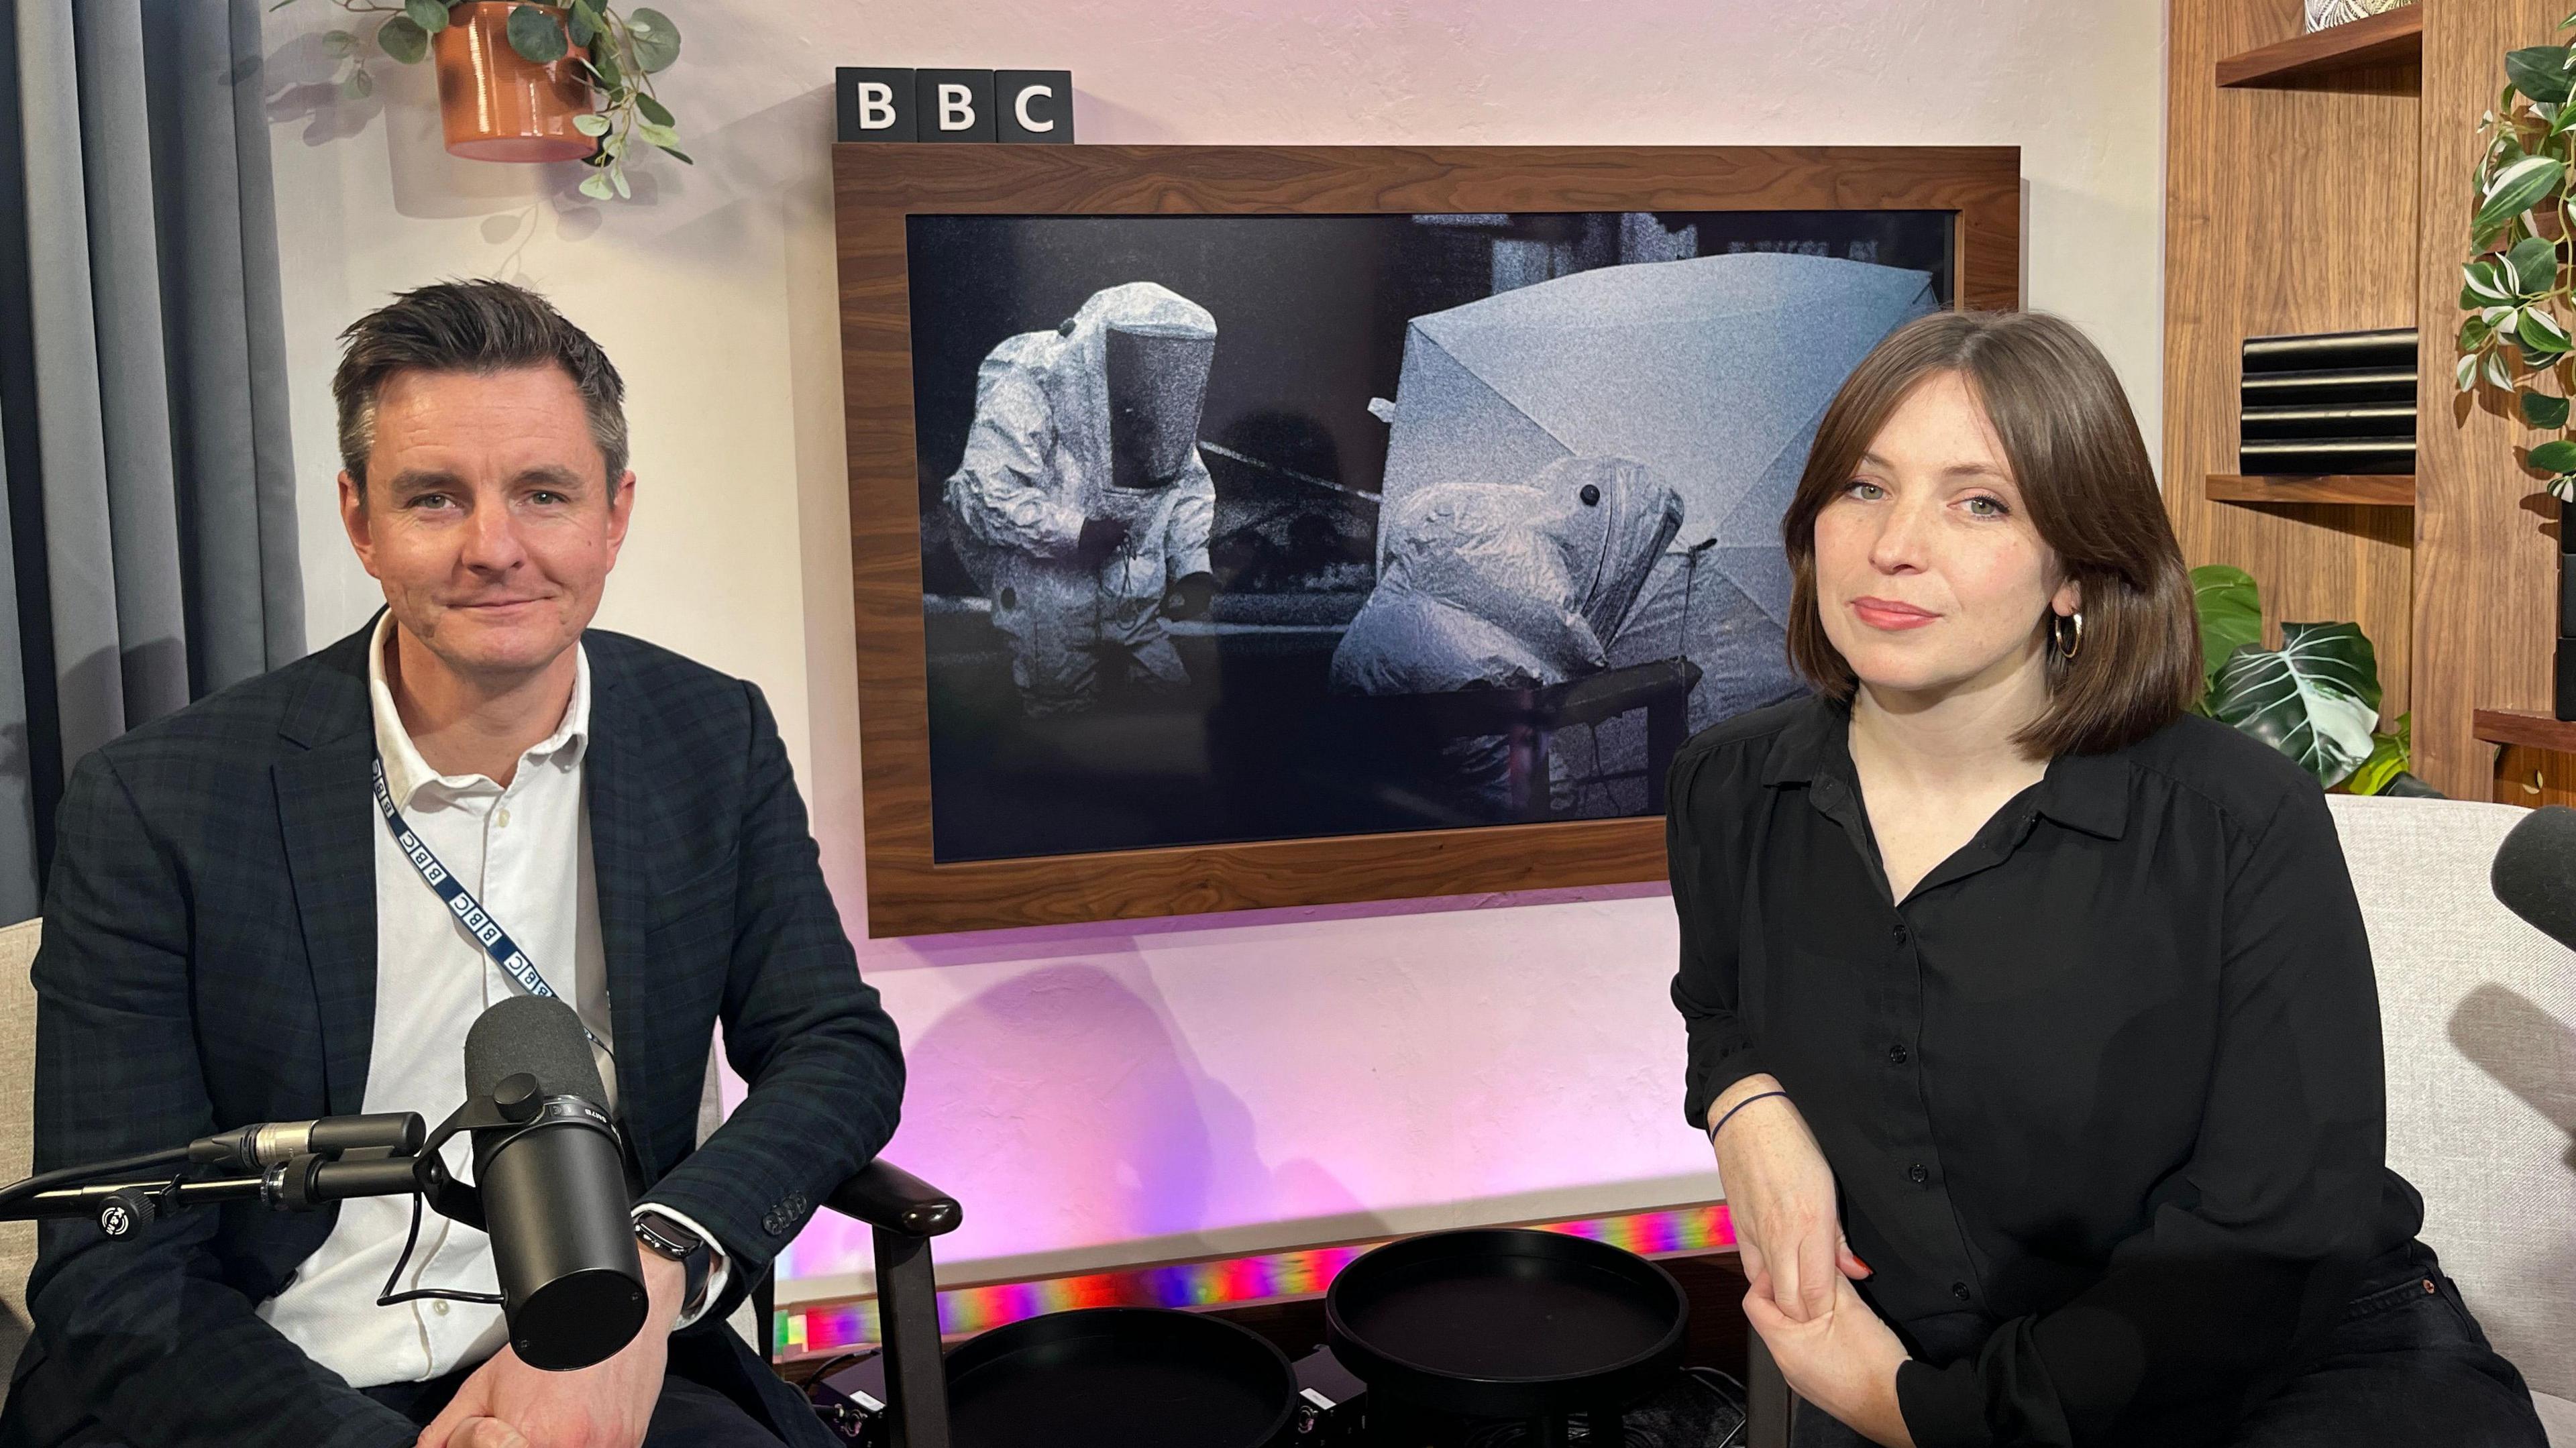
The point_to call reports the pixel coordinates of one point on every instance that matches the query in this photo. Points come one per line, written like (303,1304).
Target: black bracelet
(1738,1106)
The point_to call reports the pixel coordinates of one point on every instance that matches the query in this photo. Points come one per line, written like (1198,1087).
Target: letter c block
(1033,107)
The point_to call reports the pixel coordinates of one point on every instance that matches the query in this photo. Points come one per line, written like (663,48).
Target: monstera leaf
(2390,753)
(2316,698)
(2231,615)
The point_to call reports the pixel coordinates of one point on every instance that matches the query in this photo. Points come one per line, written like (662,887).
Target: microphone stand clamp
(513,1109)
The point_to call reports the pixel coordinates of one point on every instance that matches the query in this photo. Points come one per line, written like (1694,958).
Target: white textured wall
(1115,1093)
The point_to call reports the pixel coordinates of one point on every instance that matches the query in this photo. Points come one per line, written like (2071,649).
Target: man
(232,936)
(1081,506)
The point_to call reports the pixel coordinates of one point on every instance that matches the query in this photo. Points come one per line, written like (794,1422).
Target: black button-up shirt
(2102,1096)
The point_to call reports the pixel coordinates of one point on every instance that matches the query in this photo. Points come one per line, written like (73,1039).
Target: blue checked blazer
(209,960)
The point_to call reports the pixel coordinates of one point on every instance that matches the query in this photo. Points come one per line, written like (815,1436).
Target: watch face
(666,1237)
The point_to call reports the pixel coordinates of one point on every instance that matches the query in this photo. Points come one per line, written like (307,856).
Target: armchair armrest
(905,1213)
(887,1197)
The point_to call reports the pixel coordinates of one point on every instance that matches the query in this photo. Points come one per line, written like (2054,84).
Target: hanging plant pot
(497,104)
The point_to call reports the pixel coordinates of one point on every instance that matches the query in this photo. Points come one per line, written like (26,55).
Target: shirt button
(1898,1054)
(1899,932)
(502,819)
(439,1307)
(1959,1290)
(1918,1174)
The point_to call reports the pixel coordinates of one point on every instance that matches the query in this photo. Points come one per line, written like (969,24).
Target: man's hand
(508,1404)
(1099,538)
(1190,596)
(1844,1360)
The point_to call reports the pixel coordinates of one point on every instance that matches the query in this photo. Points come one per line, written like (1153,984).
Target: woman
(2031,1017)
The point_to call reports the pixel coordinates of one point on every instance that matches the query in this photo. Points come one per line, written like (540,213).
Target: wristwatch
(663,1237)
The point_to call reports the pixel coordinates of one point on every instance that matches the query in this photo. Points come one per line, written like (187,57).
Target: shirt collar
(1814,732)
(2089,792)
(406,771)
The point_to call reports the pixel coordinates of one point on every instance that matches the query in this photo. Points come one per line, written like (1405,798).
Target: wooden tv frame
(877,186)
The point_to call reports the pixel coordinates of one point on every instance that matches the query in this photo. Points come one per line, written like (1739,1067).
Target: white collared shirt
(523,849)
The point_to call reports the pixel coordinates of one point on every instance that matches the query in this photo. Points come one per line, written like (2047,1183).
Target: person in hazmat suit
(1507,585)
(1081,505)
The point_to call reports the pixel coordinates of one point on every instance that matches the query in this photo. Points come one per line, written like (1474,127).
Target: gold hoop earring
(2069,642)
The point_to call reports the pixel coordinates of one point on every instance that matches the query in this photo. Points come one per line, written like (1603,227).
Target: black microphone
(271,1143)
(553,1187)
(2535,872)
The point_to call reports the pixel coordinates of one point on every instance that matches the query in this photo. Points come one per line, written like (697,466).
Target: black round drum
(1120,1377)
(1507,1323)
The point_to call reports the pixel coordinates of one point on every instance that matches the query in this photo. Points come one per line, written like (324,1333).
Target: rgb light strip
(846,1326)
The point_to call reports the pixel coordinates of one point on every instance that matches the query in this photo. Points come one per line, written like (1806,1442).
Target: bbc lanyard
(469,912)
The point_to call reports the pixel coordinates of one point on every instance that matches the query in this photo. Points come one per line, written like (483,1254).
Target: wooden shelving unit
(2368,490)
(2451,572)
(2529,728)
(2395,38)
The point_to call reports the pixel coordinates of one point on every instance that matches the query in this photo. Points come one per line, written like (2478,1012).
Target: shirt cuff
(1716,1079)
(718,1267)
(1943,1407)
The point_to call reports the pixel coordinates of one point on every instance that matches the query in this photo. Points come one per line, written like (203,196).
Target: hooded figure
(1081,505)
(1713,371)
(1498,585)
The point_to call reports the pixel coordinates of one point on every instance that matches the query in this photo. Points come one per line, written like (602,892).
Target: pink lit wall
(1120,1094)
(1113,1094)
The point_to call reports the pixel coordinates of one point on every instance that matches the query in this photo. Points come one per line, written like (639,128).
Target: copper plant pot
(497,106)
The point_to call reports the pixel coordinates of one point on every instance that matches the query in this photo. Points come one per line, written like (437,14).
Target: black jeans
(2408,1367)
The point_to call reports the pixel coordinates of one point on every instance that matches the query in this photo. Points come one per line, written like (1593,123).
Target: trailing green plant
(623,50)
(2515,285)
(2315,698)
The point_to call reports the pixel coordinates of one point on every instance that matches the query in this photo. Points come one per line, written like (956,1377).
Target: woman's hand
(1843,1361)
(1780,1194)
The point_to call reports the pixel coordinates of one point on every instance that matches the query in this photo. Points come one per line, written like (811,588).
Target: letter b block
(876,103)
(953,105)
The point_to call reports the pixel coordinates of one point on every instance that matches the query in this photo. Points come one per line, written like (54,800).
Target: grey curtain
(150,526)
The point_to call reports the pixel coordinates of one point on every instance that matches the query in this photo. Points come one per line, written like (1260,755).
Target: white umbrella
(1712,371)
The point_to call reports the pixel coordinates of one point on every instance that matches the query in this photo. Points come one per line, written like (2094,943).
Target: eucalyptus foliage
(2516,284)
(2315,698)
(623,50)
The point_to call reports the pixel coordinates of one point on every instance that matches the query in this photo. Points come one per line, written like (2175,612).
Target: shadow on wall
(1067,1087)
(303,82)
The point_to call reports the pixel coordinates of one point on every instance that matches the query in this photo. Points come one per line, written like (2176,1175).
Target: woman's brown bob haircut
(2082,473)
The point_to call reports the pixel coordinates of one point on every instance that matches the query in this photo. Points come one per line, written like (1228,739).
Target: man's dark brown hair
(2082,473)
(470,326)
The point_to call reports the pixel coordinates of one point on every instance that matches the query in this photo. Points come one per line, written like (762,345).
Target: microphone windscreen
(537,1035)
(2535,872)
